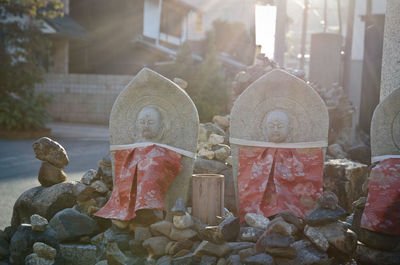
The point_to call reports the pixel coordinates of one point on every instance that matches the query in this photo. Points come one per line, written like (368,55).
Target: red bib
(382,210)
(142,178)
(271,180)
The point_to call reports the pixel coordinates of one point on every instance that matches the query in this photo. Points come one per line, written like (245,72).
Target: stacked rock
(213,140)
(214,155)
(54,159)
(327,232)
(42,255)
(373,247)
(96,187)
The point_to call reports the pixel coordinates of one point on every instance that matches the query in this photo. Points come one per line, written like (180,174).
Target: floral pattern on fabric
(142,178)
(271,180)
(382,209)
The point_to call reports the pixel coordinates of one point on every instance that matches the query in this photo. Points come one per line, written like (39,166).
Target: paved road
(85,145)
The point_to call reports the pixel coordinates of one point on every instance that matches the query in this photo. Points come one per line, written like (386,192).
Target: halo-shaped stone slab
(278,90)
(385,126)
(179,117)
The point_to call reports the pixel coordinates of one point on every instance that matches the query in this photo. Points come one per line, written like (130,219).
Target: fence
(82,98)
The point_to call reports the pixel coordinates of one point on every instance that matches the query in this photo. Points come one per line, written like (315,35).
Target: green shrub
(24,114)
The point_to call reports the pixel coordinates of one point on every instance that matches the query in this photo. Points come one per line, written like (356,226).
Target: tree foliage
(234,39)
(22,46)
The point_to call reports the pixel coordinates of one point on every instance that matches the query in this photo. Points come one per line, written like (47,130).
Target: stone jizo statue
(152,155)
(279,127)
(381,213)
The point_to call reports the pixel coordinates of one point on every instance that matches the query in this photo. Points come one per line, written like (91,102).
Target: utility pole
(303,36)
(325,15)
(348,45)
(280,32)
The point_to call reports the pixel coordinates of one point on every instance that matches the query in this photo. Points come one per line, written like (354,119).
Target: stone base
(25,134)
(345,178)
(369,256)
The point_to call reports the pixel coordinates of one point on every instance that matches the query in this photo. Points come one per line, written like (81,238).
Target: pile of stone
(321,239)
(214,154)
(373,247)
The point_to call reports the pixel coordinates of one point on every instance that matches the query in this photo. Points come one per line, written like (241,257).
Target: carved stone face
(277,126)
(149,123)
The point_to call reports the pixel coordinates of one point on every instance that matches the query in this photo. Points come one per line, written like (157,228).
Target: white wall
(151,19)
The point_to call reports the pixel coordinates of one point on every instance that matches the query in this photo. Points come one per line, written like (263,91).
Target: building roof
(67,27)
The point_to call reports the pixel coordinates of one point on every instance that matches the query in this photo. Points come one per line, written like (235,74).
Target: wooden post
(208,197)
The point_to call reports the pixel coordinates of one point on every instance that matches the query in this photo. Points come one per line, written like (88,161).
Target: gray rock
(316,238)
(48,150)
(251,234)
(4,248)
(89,177)
(156,245)
(137,248)
(280,226)
(221,154)
(221,121)
(50,175)
(327,200)
(291,218)
(230,228)
(233,260)
(70,224)
(221,261)
(102,262)
(173,247)
(339,236)
(44,251)
(179,207)
(22,241)
(114,255)
(182,221)
(237,246)
(164,260)
(256,220)
(182,234)
(142,233)
(307,254)
(203,166)
(367,255)
(38,222)
(247,252)
(321,216)
(273,241)
(286,252)
(163,228)
(34,259)
(213,128)
(208,248)
(79,254)
(44,201)
(188,259)
(259,259)
(208,260)
(99,187)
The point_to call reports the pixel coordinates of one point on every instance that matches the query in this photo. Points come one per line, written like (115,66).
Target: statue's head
(277,126)
(149,123)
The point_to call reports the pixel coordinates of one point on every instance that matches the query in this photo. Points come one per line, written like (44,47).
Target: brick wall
(82,98)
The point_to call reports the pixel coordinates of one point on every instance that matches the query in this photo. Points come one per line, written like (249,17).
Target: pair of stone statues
(279,126)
